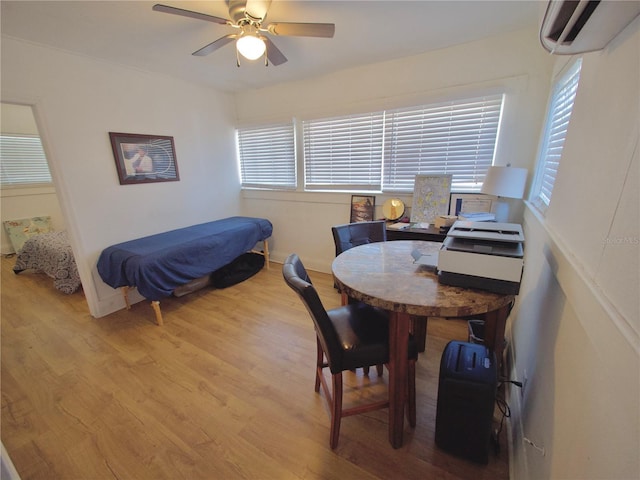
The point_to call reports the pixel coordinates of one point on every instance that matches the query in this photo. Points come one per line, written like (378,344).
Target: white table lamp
(505,182)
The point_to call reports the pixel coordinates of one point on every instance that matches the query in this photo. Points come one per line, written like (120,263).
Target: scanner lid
(490,231)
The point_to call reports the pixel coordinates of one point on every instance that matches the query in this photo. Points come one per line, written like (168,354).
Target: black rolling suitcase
(466,396)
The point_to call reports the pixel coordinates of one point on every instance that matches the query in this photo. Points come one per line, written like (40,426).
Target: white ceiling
(367,31)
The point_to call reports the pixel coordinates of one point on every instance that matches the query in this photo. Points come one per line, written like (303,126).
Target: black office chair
(349,337)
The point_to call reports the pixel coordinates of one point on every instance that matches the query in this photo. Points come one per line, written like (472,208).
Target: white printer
(484,255)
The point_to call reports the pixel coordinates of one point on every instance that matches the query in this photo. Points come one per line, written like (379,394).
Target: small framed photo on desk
(362,208)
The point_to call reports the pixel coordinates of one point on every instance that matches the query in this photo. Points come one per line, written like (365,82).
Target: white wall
(513,63)
(19,202)
(78,101)
(576,326)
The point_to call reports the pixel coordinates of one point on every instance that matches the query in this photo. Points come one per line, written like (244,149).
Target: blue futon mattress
(160,263)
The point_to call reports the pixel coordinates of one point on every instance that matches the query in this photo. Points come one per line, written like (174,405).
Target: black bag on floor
(243,267)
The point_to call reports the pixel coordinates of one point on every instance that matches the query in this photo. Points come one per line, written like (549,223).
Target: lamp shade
(251,47)
(505,182)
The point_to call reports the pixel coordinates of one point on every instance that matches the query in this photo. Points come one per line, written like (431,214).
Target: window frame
(358,138)
(476,119)
(29,148)
(550,149)
(284,146)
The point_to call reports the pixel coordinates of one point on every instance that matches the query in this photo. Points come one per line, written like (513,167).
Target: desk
(431,234)
(383,275)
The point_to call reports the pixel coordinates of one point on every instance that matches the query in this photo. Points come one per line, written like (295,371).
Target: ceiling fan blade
(188,13)
(325,30)
(213,46)
(275,56)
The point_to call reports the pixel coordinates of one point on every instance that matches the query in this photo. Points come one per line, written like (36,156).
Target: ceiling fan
(247,16)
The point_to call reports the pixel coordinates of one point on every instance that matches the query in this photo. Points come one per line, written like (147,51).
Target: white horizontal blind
(456,137)
(267,156)
(22,161)
(558,116)
(344,153)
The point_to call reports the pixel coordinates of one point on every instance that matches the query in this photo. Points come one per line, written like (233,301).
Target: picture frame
(362,208)
(144,158)
(430,197)
(469,202)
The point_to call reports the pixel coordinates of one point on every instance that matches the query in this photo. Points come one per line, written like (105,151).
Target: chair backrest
(351,235)
(297,278)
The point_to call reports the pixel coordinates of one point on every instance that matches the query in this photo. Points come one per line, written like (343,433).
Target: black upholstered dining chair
(351,235)
(349,337)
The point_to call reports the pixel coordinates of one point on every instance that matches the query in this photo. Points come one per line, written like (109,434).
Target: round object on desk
(393,209)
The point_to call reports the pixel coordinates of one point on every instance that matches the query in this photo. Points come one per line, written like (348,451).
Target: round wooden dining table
(386,275)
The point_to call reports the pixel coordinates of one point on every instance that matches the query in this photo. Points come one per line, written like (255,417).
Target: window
(378,151)
(267,156)
(558,116)
(344,153)
(22,161)
(457,137)
(385,150)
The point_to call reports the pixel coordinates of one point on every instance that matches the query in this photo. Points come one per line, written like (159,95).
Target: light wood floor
(223,390)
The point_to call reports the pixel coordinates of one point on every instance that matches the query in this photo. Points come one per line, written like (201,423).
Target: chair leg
(380,369)
(411,394)
(319,363)
(365,370)
(336,409)
(344,300)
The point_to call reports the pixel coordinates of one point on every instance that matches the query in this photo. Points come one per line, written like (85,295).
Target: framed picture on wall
(144,158)
(470,202)
(362,208)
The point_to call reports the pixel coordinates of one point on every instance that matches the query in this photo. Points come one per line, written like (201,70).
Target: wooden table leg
(494,326)
(419,330)
(399,325)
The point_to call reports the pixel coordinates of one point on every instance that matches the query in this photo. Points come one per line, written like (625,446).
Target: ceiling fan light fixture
(251,47)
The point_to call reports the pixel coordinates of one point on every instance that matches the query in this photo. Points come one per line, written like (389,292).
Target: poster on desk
(430,197)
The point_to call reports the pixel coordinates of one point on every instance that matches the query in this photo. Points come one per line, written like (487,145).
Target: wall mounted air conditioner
(572,26)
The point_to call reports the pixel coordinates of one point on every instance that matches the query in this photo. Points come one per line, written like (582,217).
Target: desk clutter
(445,221)
(398,226)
